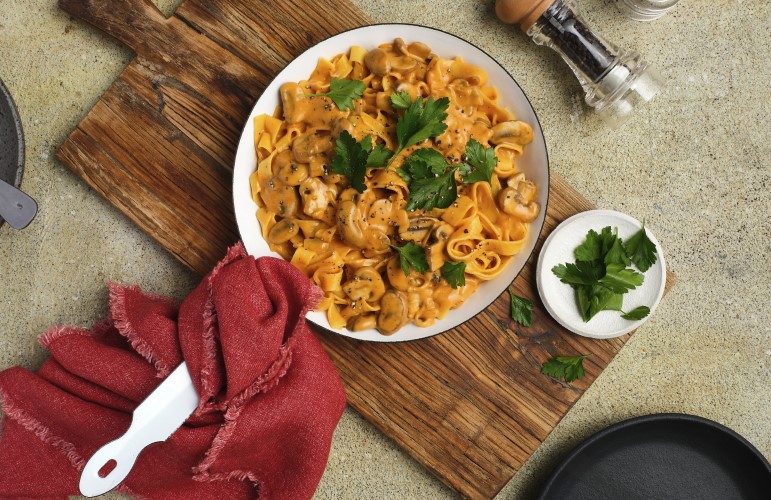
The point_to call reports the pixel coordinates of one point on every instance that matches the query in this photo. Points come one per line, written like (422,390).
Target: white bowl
(534,162)
(559,298)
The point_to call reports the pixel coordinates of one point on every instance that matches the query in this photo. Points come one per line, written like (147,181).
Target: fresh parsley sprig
(412,255)
(637,313)
(600,276)
(342,92)
(454,273)
(352,158)
(521,309)
(422,119)
(641,250)
(481,161)
(401,100)
(568,368)
(431,178)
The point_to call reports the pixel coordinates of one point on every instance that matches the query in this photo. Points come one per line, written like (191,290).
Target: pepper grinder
(616,80)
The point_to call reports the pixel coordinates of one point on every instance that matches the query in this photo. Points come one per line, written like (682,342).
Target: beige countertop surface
(694,163)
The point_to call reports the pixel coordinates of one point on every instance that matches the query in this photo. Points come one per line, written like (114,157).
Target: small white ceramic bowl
(559,298)
(534,162)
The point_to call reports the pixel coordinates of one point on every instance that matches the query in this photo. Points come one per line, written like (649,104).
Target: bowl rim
(544,208)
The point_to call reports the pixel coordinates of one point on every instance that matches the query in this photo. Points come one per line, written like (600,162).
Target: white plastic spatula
(162,413)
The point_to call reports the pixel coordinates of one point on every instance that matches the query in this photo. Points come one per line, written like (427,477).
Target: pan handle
(16,207)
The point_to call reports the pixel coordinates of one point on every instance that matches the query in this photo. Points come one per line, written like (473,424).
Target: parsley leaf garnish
(422,119)
(352,158)
(454,273)
(482,162)
(580,273)
(593,299)
(430,182)
(343,91)
(568,368)
(422,164)
(619,279)
(378,156)
(521,309)
(641,250)
(401,100)
(433,192)
(412,255)
(600,276)
(590,249)
(637,313)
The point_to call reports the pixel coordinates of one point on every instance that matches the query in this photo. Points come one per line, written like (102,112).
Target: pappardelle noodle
(389,178)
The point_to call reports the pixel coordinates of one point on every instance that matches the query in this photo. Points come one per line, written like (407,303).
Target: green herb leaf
(619,279)
(568,368)
(421,120)
(432,192)
(412,255)
(482,162)
(595,298)
(600,276)
(521,309)
(641,250)
(637,313)
(580,273)
(349,159)
(424,163)
(616,254)
(454,273)
(591,249)
(378,156)
(342,92)
(352,158)
(401,100)
(431,185)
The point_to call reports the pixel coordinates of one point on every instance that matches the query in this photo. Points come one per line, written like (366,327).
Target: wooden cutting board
(470,404)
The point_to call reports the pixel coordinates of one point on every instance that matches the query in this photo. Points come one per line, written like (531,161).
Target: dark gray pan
(11,141)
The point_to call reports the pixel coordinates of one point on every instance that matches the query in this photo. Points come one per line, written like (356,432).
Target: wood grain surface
(470,404)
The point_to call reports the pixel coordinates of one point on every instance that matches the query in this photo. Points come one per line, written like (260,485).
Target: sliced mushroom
(362,322)
(512,131)
(393,312)
(355,230)
(527,189)
(403,64)
(513,203)
(280,198)
(283,231)
(290,172)
(400,46)
(419,49)
(418,229)
(366,284)
(306,146)
(316,196)
(378,62)
(437,242)
(515,179)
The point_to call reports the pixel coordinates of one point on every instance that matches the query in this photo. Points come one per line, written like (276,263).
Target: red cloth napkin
(270,397)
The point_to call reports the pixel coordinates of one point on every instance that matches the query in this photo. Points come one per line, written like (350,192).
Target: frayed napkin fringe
(123,325)
(41,431)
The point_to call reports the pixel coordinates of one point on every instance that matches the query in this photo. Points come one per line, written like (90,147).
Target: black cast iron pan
(16,206)
(663,456)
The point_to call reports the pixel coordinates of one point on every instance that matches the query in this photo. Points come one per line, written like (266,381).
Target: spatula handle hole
(107,468)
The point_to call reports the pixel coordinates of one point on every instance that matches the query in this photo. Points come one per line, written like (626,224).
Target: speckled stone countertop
(694,163)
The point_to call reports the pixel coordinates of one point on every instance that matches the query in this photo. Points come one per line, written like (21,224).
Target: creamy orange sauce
(342,238)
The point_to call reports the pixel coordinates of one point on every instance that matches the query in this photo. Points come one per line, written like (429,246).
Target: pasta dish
(389,177)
